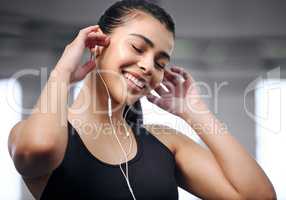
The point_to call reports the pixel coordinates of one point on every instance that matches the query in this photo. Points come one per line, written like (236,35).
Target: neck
(91,105)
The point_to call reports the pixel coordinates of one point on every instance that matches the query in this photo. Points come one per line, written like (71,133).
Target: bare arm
(238,167)
(226,170)
(37,144)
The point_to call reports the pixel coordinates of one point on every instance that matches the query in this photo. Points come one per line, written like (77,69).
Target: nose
(146,67)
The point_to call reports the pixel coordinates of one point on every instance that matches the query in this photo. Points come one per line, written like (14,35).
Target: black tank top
(82,176)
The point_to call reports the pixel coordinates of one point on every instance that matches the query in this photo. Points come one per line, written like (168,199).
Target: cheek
(117,55)
(119,52)
(124,56)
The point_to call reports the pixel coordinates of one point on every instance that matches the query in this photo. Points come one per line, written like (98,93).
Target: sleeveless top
(82,176)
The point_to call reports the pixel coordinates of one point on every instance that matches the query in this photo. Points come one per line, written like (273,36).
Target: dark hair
(114,17)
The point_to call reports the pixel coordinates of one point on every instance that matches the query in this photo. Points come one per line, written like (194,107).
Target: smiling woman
(78,152)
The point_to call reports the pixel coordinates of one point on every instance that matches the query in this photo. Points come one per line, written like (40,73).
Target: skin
(121,55)
(211,173)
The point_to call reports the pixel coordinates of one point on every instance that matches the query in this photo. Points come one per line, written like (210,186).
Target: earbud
(109,107)
(97,50)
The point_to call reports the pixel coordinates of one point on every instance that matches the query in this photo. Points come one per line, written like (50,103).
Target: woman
(77,152)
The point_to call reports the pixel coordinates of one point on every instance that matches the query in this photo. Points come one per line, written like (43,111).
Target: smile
(135,82)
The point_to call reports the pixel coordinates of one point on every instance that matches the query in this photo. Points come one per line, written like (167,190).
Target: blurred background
(235,49)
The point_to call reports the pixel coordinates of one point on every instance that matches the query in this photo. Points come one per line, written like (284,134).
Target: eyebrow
(152,45)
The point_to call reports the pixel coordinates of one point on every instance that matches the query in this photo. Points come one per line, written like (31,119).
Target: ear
(98,49)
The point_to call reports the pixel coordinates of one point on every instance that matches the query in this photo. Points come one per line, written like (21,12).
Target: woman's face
(142,46)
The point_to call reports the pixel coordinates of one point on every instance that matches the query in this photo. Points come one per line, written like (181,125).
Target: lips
(140,78)
(134,80)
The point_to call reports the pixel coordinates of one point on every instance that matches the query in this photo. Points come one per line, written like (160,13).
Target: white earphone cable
(126,176)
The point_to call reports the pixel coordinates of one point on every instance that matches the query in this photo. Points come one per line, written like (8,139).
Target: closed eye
(137,49)
(140,51)
(161,66)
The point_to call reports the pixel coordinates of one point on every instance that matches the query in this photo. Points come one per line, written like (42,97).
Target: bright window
(270,98)
(10,103)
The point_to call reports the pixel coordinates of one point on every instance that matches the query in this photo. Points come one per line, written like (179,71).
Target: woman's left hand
(183,97)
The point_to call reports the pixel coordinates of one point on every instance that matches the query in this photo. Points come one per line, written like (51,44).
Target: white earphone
(126,176)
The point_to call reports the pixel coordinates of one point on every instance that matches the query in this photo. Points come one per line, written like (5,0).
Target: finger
(82,34)
(97,39)
(168,85)
(180,71)
(188,80)
(83,70)
(91,44)
(169,73)
(96,34)
(172,77)
(91,36)
(85,31)
(160,90)
(186,75)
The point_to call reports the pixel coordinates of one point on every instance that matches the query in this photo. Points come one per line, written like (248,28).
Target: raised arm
(37,144)
(225,170)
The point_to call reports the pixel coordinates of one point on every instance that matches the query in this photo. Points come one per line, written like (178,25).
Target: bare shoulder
(12,136)
(36,151)
(171,137)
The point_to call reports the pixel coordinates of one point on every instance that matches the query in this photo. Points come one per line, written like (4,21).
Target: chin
(130,99)
(124,92)
(121,96)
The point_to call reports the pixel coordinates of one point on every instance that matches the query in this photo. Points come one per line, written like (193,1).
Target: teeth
(134,80)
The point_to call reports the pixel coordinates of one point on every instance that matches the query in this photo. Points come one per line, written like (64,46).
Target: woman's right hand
(69,63)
